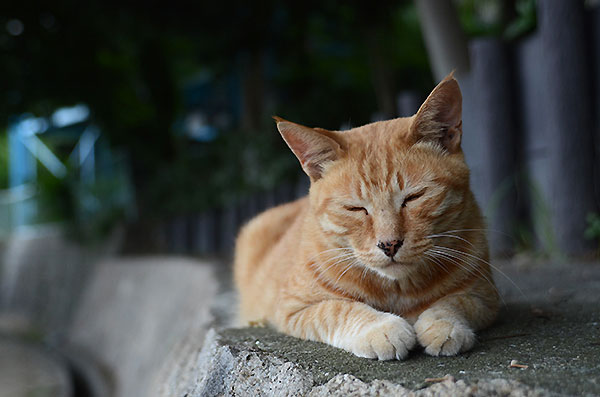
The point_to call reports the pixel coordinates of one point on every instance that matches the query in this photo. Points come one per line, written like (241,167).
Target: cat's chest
(392,302)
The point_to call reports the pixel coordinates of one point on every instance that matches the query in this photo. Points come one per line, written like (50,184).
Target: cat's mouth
(393,263)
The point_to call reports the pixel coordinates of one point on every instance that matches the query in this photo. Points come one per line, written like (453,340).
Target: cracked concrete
(550,322)
(146,320)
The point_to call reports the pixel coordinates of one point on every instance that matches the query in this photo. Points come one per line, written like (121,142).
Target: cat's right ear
(314,147)
(439,119)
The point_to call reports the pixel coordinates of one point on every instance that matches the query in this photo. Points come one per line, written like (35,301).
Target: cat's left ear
(314,147)
(440,117)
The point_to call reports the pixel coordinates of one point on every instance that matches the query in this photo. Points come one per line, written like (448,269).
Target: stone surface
(224,369)
(27,370)
(227,366)
(142,323)
(139,316)
(42,274)
(550,322)
(348,385)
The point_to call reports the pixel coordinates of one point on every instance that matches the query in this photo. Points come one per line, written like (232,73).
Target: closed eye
(356,209)
(412,197)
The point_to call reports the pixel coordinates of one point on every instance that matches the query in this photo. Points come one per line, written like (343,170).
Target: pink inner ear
(440,116)
(299,147)
(312,147)
(444,104)
(452,138)
(450,113)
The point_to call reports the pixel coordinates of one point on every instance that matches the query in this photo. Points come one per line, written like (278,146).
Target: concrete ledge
(142,323)
(553,327)
(261,362)
(348,385)
(138,316)
(28,369)
(233,369)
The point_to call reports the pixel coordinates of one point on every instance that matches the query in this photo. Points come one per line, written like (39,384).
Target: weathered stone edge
(224,369)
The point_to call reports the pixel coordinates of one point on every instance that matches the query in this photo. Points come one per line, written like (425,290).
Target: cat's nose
(390,247)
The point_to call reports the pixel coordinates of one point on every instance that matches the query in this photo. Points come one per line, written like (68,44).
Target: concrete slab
(29,370)
(42,274)
(550,323)
(138,317)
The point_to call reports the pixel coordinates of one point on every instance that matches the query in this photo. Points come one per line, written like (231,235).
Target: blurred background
(129,129)
(156,120)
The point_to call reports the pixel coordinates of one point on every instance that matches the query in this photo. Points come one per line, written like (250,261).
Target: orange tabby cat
(387,249)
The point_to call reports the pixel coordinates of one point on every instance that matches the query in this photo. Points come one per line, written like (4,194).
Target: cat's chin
(393,269)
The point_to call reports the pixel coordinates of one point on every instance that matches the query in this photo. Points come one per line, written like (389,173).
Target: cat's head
(385,188)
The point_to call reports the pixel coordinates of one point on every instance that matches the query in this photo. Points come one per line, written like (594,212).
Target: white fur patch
(452,198)
(388,337)
(434,146)
(329,226)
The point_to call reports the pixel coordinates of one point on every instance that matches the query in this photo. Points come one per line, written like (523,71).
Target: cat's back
(263,235)
(265,249)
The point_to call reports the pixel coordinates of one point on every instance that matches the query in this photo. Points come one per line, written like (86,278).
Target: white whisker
(338,259)
(364,273)
(440,235)
(346,269)
(471,269)
(486,262)
(432,258)
(480,230)
(329,250)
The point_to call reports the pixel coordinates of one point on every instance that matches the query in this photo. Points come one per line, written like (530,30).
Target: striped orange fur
(387,250)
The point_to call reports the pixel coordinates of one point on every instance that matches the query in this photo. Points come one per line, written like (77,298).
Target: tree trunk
(252,90)
(568,121)
(445,41)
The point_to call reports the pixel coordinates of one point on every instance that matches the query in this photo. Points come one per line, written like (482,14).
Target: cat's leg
(350,325)
(448,326)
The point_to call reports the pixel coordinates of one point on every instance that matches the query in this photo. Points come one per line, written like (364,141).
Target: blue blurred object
(213,106)
(67,144)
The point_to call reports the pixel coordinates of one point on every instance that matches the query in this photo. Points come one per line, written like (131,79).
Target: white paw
(391,337)
(443,336)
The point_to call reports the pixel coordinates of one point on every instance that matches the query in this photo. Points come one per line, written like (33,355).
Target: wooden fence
(531,124)
(213,232)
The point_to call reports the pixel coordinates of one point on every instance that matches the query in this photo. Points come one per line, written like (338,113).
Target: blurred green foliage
(509,19)
(55,196)
(592,232)
(3,160)
(319,63)
(214,174)
(89,210)
(523,21)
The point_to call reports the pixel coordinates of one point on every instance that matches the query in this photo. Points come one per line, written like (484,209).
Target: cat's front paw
(391,337)
(443,336)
